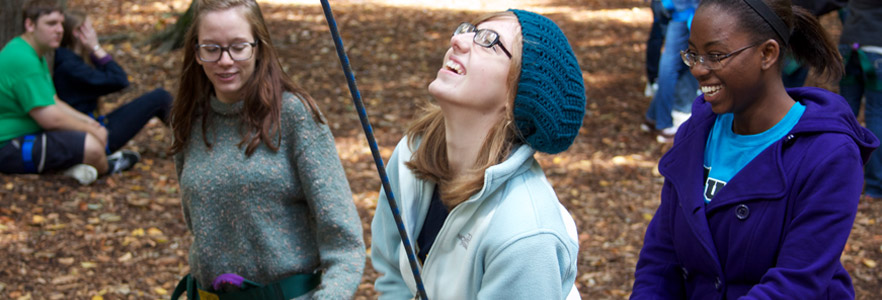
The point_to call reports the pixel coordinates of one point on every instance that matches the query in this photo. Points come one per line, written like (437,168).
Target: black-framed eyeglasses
(213,52)
(483,37)
(710,61)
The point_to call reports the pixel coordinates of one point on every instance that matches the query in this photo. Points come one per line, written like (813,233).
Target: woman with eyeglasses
(762,183)
(484,221)
(262,188)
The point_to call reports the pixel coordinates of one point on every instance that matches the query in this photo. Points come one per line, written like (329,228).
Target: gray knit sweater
(273,214)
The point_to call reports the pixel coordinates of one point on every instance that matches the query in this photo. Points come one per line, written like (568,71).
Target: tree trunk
(173,37)
(10,17)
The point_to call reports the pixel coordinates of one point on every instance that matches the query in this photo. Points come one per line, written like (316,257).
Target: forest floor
(124,237)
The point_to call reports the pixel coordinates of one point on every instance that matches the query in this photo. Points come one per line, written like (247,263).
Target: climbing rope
(375,151)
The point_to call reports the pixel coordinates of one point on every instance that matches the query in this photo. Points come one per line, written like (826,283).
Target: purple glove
(227,282)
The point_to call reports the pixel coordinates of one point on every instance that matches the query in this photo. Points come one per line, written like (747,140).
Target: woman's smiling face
(716,32)
(224,28)
(475,76)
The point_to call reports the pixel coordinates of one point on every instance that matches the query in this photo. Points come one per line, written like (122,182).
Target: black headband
(771,18)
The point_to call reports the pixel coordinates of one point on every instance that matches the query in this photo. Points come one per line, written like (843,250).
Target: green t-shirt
(25,84)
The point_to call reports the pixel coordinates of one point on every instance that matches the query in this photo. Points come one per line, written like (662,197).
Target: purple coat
(778,228)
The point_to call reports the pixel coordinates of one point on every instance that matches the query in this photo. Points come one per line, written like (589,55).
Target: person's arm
(657,275)
(88,37)
(185,200)
(61,116)
(823,216)
(531,266)
(105,77)
(73,112)
(338,230)
(385,241)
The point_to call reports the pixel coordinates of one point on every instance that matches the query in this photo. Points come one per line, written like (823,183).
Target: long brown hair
(430,158)
(73,19)
(261,94)
(809,43)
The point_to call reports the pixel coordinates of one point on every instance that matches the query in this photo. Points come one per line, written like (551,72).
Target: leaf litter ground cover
(123,237)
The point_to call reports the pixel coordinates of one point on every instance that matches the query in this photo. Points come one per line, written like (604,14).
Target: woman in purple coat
(762,183)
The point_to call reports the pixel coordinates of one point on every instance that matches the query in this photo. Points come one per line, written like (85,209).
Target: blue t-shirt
(727,152)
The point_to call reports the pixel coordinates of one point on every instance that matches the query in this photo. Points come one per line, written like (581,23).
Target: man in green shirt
(38,131)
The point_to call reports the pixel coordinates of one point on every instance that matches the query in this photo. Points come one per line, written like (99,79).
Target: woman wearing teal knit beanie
(484,221)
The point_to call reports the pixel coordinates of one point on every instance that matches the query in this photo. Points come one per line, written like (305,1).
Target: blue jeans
(687,86)
(660,19)
(853,89)
(670,68)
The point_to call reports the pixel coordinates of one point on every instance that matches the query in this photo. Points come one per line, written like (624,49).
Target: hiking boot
(122,160)
(83,173)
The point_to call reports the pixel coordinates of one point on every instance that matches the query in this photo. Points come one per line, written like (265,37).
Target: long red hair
(261,94)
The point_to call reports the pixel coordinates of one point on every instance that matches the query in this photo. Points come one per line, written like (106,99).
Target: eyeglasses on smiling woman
(483,37)
(213,52)
(710,61)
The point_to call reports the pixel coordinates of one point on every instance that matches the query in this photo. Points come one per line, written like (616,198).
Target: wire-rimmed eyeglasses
(213,52)
(710,61)
(483,37)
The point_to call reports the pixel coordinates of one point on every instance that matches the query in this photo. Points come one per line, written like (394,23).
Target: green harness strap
(188,285)
(872,81)
(288,288)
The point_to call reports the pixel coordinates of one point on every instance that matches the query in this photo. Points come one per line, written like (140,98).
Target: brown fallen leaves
(123,237)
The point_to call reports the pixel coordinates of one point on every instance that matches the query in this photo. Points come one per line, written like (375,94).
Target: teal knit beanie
(550,102)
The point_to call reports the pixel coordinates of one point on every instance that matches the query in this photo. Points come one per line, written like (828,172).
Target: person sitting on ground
(83,72)
(39,132)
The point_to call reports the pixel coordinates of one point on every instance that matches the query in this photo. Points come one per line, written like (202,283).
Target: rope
(375,151)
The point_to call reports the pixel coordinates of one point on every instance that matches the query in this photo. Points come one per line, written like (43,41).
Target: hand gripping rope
(369,134)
